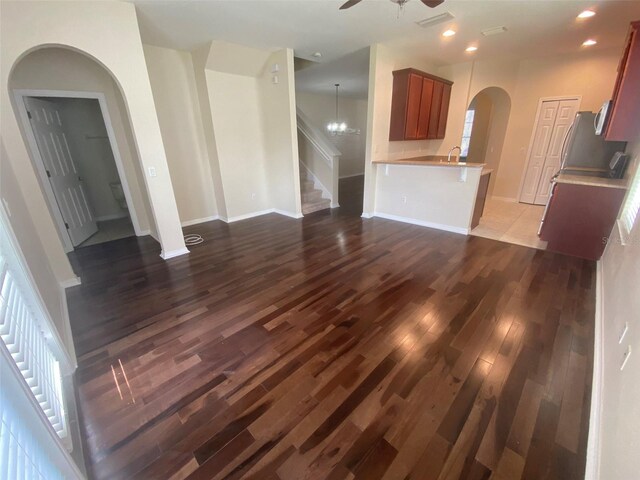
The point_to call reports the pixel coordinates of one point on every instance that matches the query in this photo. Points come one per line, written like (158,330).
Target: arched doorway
(96,151)
(485,129)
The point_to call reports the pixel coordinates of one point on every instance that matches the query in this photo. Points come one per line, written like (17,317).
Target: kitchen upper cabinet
(624,122)
(419,105)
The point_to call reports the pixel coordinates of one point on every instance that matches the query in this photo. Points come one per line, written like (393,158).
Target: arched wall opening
(486,133)
(56,73)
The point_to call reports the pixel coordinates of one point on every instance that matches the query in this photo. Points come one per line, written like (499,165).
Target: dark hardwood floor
(333,347)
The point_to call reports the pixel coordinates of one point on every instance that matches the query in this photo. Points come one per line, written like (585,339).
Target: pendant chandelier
(337,127)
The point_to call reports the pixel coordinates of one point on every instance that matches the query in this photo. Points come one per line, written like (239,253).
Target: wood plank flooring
(333,348)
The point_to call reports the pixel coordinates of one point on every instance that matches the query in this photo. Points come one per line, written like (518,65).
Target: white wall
(175,95)
(321,110)
(620,267)
(89,28)
(89,145)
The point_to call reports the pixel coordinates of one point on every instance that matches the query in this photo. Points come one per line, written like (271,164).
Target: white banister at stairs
(319,169)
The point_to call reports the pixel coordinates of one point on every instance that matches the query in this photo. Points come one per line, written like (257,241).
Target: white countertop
(429,161)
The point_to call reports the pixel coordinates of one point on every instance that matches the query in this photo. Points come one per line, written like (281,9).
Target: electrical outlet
(404,199)
(624,332)
(625,357)
(253,196)
(152,172)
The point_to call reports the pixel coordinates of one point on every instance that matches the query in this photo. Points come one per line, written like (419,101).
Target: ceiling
(534,28)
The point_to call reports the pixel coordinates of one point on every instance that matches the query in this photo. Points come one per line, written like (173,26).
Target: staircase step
(306,186)
(322,204)
(311,196)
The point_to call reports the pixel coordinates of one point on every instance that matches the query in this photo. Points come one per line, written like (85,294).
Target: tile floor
(511,222)
(110,230)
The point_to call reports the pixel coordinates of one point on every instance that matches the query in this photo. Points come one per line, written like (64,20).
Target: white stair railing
(319,156)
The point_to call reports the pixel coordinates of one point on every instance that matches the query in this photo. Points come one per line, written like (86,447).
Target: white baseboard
(71,282)
(174,253)
(352,175)
(113,216)
(422,223)
(334,205)
(196,221)
(287,214)
(143,233)
(246,216)
(366,215)
(505,199)
(592,470)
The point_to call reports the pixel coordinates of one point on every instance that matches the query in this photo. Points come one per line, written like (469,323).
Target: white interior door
(554,121)
(61,169)
(564,118)
(541,140)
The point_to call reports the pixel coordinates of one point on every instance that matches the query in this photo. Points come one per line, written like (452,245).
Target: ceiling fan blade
(350,4)
(432,3)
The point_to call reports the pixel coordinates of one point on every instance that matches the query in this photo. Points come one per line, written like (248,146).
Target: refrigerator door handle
(564,144)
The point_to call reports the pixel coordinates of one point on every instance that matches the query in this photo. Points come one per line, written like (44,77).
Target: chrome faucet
(451,151)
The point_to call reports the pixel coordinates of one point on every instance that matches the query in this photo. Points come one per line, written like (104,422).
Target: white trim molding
(421,223)
(352,175)
(288,214)
(247,216)
(71,282)
(174,253)
(592,469)
(196,221)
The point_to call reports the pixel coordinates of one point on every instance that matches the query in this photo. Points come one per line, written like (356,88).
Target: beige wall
(253,128)
(89,29)
(620,303)
(237,121)
(321,110)
(590,75)
(173,82)
(63,69)
(278,105)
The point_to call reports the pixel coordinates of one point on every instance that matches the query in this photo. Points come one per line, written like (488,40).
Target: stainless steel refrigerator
(584,149)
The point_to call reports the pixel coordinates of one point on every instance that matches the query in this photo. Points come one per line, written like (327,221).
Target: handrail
(318,138)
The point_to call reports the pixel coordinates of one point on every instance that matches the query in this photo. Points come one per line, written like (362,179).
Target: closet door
(566,114)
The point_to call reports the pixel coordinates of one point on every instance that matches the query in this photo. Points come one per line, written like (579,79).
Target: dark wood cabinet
(623,123)
(419,105)
(579,218)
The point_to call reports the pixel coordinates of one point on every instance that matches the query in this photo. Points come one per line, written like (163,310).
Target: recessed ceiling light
(449,33)
(586,14)
(588,43)
(317,55)
(471,49)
